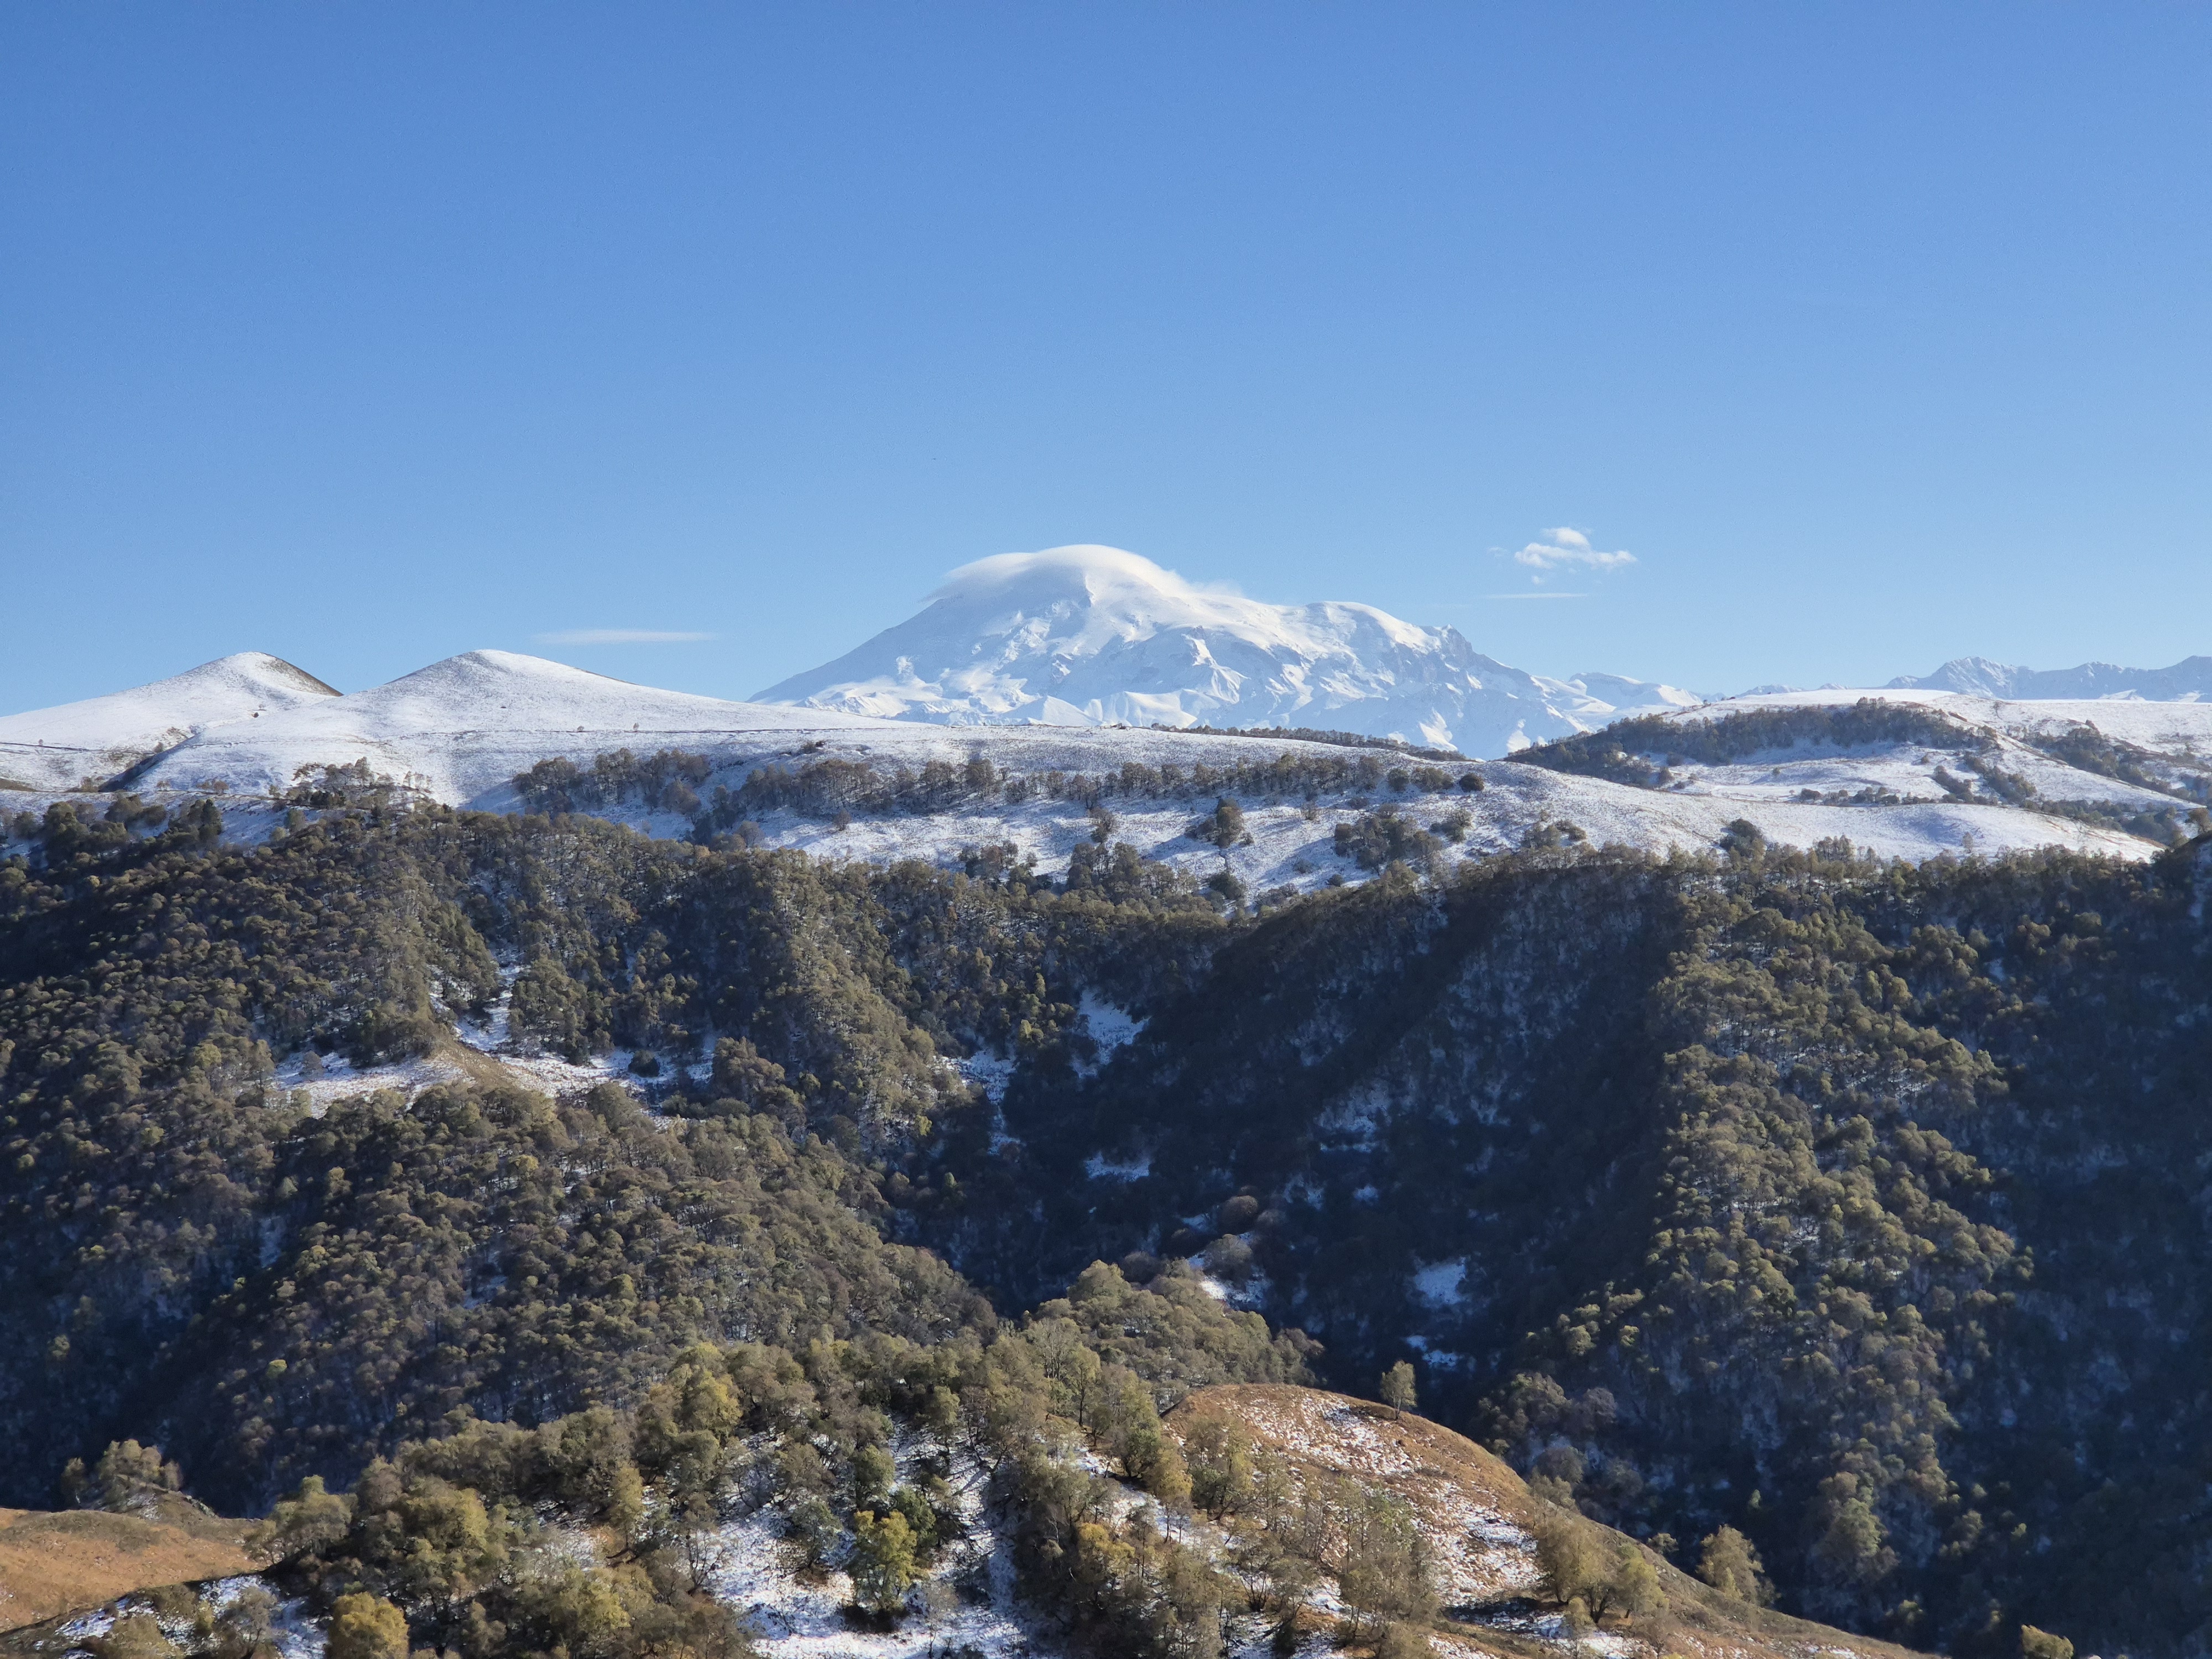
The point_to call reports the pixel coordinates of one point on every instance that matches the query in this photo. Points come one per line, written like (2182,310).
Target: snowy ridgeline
(1293,843)
(1071,638)
(251,730)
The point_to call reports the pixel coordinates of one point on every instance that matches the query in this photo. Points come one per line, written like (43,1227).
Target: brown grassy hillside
(56,1562)
(1482,1523)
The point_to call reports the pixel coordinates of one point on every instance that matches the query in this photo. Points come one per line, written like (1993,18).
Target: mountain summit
(87,741)
(1096,636)
(2186,681)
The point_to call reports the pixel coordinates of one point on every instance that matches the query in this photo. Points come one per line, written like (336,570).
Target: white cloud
(618,636)
(1563,549)
(1536,596)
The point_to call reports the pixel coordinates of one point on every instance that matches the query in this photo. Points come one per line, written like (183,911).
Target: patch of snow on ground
(342,1080)
(494,1035)
(794,1618)
(1352,1124)
(292,1627)
(90,1626)
(1552,1627)
(557,1076)
(1110,1028)
(1439,1284)
(495,1030)
(1251,1295)
(989,1071)
(1099,1167)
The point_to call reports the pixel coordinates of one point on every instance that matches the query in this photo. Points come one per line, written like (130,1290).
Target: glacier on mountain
(1096,636)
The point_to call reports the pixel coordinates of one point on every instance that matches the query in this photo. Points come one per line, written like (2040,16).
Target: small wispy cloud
(1565,548)
(618,636)
(1535,596)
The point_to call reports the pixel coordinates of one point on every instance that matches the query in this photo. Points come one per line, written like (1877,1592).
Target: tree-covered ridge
(481,1250)
(1855,1208)
(678,782)
(181,1229)
(1936,1166)
(1644,750)
(1871,1190)
(1318,734)
(594,1532)
(646,1319)
(1822,1268)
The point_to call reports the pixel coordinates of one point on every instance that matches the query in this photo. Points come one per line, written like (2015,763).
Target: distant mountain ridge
(466,732)
(1088,635)
(2186,681)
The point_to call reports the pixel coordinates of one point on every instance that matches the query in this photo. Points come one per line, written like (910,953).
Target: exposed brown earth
(53,1563)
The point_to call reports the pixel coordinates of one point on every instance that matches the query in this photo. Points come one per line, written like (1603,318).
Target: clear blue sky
(367,334)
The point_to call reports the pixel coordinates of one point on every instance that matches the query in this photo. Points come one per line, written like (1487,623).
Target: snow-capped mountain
(2186,681)
(463,730)
(460,730)
(1096,636)
(57,748)
(456,729)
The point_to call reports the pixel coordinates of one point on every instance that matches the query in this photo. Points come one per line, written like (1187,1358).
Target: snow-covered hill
(1096,636)
(59,748)
(2184,682)
(2180,728)
(462,731)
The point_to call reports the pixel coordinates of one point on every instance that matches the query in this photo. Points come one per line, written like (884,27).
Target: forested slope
(1860,1207)
(1857,1207)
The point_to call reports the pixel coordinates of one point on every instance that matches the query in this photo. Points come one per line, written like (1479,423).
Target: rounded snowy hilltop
(1096,636)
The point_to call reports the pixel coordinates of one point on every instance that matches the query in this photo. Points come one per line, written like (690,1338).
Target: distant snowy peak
(1097,636)
(1626,696)
(60,746)
(506,691)
(457,727)
(2184,682)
